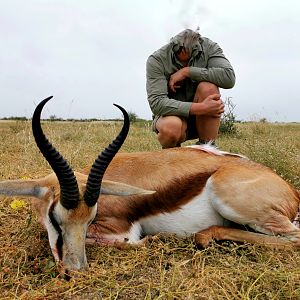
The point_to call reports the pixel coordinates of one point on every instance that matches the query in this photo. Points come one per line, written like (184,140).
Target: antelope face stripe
(59,241)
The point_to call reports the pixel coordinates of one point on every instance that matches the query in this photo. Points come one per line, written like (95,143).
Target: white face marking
(196,215)
(71,241)
(52,235)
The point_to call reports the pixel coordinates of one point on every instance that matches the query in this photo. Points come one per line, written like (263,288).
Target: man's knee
(170,126)
(205,89)
(170,129)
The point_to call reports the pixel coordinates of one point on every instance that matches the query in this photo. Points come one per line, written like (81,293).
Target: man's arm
(161,105)
(219,70)
(157,90)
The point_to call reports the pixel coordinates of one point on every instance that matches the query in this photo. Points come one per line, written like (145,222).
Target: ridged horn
(69,192)
(101,163)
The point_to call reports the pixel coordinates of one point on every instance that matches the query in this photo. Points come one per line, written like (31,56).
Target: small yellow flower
(17,204)
(24,177)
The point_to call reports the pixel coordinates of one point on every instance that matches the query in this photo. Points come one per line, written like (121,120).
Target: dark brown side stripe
(167,199)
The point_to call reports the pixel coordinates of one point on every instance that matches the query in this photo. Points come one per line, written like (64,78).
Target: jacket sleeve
(157,91)
(219,70)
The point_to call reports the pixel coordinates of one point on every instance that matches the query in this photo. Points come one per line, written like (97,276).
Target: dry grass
(169,268)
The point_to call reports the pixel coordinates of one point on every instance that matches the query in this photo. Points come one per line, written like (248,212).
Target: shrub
(132,117)
(228,119)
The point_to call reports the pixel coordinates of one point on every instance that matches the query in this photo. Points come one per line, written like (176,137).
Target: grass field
(169,268)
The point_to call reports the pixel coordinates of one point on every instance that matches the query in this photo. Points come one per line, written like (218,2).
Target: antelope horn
(101,163)
(69,192)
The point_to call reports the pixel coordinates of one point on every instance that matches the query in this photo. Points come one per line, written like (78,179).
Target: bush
(228,119)
(132,117)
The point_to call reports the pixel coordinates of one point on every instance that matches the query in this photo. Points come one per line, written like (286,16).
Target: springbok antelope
(197,191)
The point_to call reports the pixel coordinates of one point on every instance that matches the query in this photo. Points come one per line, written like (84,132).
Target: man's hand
(211,106)
(177,77)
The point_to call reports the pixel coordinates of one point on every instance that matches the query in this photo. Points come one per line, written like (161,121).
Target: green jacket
(207,63)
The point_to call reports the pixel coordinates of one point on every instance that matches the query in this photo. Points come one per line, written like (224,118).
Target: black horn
(69,192)
(101,163)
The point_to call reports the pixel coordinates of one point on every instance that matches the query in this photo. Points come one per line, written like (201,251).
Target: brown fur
(269,191)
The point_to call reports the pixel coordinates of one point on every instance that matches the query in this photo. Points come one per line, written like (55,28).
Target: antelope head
(67,200)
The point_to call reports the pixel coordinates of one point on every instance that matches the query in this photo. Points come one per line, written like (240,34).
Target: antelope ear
(121,189)
(25,188)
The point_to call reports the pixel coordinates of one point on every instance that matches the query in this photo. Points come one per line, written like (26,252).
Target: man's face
(183,57)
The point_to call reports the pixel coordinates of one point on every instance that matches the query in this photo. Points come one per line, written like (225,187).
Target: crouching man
(183,81)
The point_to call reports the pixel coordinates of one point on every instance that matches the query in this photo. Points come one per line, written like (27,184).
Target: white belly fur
(196,215)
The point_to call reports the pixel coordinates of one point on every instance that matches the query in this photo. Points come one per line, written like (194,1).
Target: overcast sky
(90,54)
